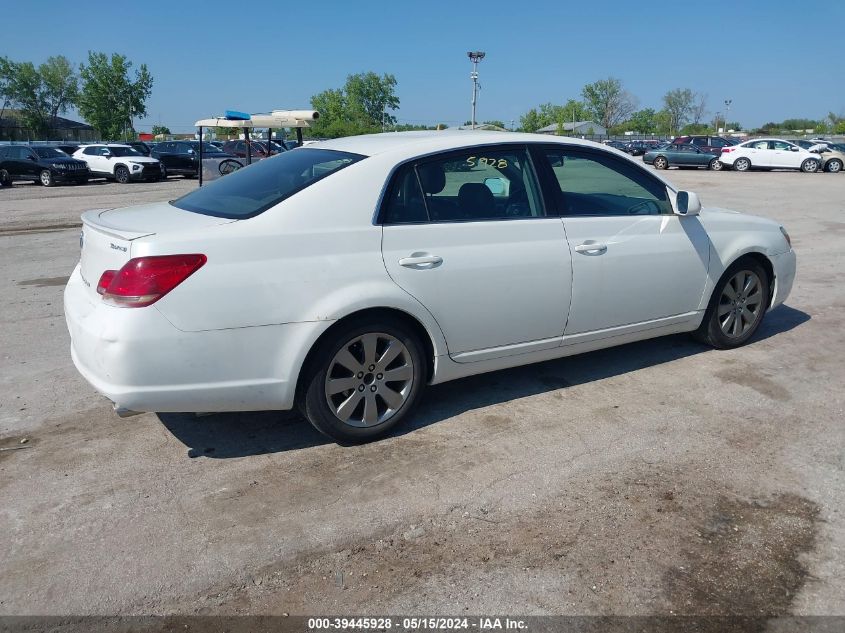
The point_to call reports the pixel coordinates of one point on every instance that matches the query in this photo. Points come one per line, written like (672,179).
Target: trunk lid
(107,234)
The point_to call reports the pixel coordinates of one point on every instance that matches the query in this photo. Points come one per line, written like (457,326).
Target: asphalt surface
(656,478)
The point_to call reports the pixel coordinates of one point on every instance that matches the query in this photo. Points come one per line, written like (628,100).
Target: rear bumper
(784,266)
(137,359)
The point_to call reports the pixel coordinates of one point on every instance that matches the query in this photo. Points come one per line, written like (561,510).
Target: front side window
(91,151)
(471,185)
(599,184)
(248,192)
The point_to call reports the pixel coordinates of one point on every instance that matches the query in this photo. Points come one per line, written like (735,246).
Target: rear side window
(250,191)
(486,183)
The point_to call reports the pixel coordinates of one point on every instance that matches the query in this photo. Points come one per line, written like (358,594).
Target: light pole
(728,103)
(474,57)
(718,116)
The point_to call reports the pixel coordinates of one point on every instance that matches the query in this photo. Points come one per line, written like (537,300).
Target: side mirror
(687,203)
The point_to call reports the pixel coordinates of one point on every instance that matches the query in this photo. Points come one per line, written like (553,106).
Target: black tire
(711,331)
(661,163)
(715,165)
(742,164)
(834,165)
(314,401)
(121,174)
(810,166)
(163,171)
(46,178)
(5,178)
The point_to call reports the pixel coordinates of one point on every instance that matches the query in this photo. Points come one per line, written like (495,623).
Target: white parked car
(119,162)
(345,276)
(769,153)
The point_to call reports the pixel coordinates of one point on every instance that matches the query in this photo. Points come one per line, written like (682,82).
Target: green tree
(360,107)
(110,97)
(608,101)
(736,126)
(27,93)
(549,114)
(160,129)
(695,128)
(6,72)
(678,104)
(60,86)
(642,121)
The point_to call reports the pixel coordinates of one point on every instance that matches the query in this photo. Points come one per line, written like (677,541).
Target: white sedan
(769,153)
(345,276)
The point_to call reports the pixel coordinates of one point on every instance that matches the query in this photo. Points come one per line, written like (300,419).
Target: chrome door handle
(417,260)
(591,248)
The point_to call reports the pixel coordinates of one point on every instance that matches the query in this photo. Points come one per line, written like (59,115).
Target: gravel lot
(661,477)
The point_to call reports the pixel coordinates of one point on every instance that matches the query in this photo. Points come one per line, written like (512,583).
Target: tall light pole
(474,57)
(728,103)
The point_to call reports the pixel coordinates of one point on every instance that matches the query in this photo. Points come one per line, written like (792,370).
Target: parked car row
(125,162)
(717,153)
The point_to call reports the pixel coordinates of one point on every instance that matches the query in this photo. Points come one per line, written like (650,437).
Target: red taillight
(725,150)
(105,280)
(144,280)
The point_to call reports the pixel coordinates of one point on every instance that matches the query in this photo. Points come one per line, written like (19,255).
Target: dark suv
(46,165)
(182,157)
(709,144)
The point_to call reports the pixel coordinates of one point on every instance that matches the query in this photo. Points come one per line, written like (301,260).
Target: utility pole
(475,57)
(728,103)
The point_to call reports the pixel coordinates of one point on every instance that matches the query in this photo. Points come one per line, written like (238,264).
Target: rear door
(467,235)
(633,260)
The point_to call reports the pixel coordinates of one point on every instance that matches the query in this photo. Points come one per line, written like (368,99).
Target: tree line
(684,111)
(105,91)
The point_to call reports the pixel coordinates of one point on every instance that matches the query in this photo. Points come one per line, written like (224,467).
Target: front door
(466,234)
(633,259)
(783,155)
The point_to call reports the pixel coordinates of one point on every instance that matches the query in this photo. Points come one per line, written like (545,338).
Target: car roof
(417,143)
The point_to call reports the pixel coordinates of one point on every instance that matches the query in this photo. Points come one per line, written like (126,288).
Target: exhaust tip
(123,412)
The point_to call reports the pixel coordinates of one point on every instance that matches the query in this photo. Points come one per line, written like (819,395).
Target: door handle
(419,259)
(591,248)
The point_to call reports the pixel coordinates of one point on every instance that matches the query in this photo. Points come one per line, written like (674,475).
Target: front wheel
(834,165)
(121,175)
(364,380)
(661,163)
(46,178)
(737,306)
(810,166)
(715,165)
(5,178)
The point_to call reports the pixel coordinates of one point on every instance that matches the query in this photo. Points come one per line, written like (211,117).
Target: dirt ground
(657,478)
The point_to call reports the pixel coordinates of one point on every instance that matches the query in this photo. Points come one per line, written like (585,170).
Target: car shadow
(242,434)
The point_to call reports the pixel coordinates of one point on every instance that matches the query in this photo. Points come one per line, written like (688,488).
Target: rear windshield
(254,189)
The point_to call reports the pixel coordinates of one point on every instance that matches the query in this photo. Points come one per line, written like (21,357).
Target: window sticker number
(498,163)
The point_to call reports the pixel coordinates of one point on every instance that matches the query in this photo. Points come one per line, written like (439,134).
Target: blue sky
(210,56)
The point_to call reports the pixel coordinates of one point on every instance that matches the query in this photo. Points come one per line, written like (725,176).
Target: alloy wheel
(741,304)
(742,164)
(369,379)
(834,166)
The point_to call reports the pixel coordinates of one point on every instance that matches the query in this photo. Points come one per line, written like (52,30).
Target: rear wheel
(661,163)
(121,175)
(46,178)
(737,306)
(363,381)
(834,165)
(810,166)
(742,164)
(163,172)
(5,178)
(715,165)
